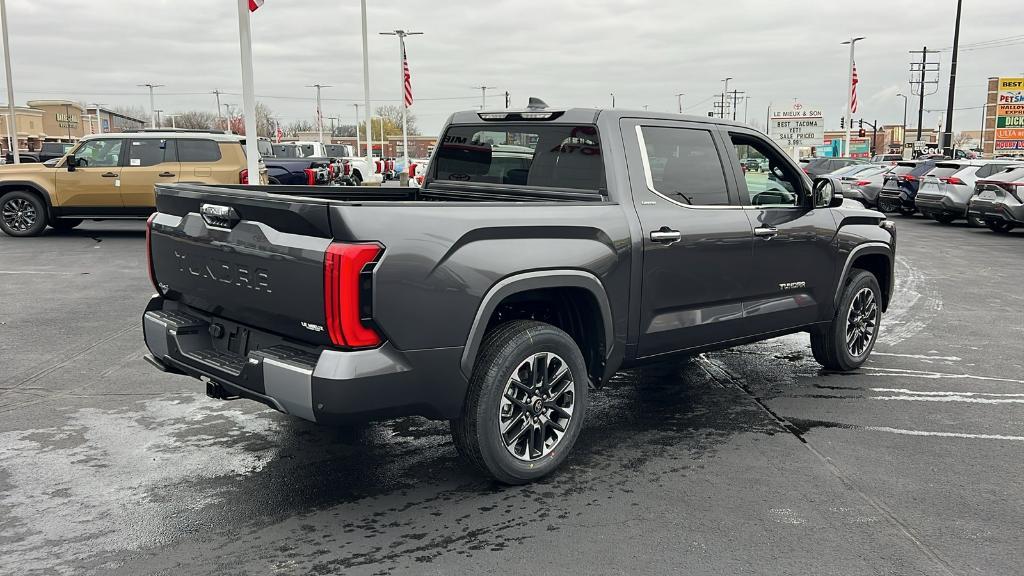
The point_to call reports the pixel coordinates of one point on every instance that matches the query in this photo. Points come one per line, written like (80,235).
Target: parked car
(865,185)
(47,151)
(112,176)
(850,172)
(887,158)
(358,169)
(820,166)
(946,191)
(998,200)
(900,185)
(499,305)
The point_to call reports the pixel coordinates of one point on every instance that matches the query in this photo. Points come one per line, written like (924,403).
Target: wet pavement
(745,461)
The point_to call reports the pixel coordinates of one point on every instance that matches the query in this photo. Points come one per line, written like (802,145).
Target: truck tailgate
(250,257)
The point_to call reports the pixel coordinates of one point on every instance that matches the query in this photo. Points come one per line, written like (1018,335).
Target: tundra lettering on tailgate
(257,279)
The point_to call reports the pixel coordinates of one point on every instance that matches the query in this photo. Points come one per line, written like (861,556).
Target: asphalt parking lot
(747,461)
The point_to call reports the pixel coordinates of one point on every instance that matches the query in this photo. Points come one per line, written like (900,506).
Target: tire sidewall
(40,223)
(861,280)
(492,448)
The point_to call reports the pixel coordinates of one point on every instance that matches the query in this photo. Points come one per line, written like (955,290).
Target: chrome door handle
(109,175)
(767,233)
(664,235)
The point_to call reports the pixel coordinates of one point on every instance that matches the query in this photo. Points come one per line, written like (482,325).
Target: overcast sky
(568,52)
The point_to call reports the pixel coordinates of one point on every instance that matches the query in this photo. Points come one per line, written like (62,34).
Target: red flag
(853,95)
(254,5)
(408,78)
(279,134)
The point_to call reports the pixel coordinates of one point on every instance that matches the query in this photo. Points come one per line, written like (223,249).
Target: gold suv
(112,176)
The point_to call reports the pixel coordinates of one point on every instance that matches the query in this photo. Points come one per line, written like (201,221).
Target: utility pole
(319,112)
(220,118)
(152,104)
(406,100)
(172,117)
(333,120)
(849,92)
(721,107)
(158,123)
(735,102)
(922,70)
(947,137)
(612,94)
(357,129)
(508,100)
(746,103)
(12,132)
(679,101)
(483,95)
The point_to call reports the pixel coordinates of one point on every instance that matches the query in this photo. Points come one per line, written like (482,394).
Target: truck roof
(581,116)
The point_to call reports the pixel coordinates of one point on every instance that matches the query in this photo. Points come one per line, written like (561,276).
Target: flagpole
(12,128)
(849,93)
(404,178)
(252,155)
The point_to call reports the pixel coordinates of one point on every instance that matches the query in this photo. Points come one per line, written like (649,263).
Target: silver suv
(946,191)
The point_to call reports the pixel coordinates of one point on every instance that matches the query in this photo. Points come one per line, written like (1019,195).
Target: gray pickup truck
(545,250)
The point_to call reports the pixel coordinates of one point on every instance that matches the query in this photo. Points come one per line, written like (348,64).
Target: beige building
(59,121)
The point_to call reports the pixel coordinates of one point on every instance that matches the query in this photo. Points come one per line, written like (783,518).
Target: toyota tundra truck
(505,290)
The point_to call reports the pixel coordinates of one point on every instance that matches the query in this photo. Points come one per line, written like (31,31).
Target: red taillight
(332,169)
(310,176)
(149,252)
(954,180)
(243,176)
(412,170)
(348,169)
(806,171)
(378,166)
(346,294)
(862,183)
(909,177)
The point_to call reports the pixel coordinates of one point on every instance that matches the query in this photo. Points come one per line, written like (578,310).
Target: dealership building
(60,121)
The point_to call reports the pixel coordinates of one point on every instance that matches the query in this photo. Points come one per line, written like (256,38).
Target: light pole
(99,120)
(947,138)
(483,95)
(319,112)
(152,104)
(679,101)
(849,91)
(903,137)
(724,92)
(746,103)
(612,94)
(159,124)
(357,129)
(366,87)
(172,117)
(406,95)
(334,120)
(12,131)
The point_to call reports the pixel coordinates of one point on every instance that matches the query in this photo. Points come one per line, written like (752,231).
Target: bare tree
(961,140)
(294,128)
(194,120)
(392,115)
(264,120)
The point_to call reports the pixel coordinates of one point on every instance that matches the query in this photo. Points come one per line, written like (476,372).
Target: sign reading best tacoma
(1010,115)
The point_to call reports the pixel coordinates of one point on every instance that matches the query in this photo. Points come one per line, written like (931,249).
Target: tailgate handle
(219,216)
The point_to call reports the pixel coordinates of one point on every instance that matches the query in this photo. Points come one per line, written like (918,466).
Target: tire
(904,211)
(509,350)
(65,223)
(357,180)
(886,206)
(997,227)
(943,218)
(975,221)
(22,214)
(273,181)
(830,345)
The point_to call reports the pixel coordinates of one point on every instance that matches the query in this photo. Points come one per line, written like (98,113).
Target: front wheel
(847,341)
(63,224)
(943,218)
(907,211)
(526,402)
(22,214)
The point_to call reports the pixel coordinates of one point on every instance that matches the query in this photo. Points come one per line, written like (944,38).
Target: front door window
(769,180)
(100,153)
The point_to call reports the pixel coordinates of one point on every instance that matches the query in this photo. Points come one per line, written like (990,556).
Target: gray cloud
(569,52)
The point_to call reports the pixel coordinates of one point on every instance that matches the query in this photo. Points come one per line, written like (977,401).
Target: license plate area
(987,195)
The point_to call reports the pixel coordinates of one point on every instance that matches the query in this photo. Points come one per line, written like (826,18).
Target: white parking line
(936,393)
(943,434)
(917,356)
(905,373)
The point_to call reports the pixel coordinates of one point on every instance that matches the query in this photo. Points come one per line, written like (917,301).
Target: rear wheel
(526,402)
(999,227)
(65,223)
(975,221)
(22,214)
(847,341)
(906,211)
(357,179)
(886,205)
(943,218)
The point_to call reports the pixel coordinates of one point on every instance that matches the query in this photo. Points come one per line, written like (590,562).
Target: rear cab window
(561,156)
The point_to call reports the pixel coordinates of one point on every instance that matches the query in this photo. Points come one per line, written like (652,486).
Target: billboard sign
(1010,115)
(800,126)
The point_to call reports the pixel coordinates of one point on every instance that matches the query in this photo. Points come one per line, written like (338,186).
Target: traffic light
(842,123)
(861,133)
(861,124)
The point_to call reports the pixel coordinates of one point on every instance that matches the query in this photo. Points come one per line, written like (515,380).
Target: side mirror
(71,162)
(828,192)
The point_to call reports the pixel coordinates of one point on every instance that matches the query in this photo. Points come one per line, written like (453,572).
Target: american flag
(853,94)
(408,78)
(254,5)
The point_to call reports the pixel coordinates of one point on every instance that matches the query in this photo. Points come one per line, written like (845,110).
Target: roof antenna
(536,104)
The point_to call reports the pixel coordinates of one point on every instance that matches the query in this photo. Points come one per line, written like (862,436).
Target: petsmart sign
(1010,115)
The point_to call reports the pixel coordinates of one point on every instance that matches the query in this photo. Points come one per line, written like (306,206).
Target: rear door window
(684,166)
(548,156)
(149,152)
(196,150)
(990,169)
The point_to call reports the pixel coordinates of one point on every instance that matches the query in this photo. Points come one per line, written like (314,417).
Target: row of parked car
(983,192)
